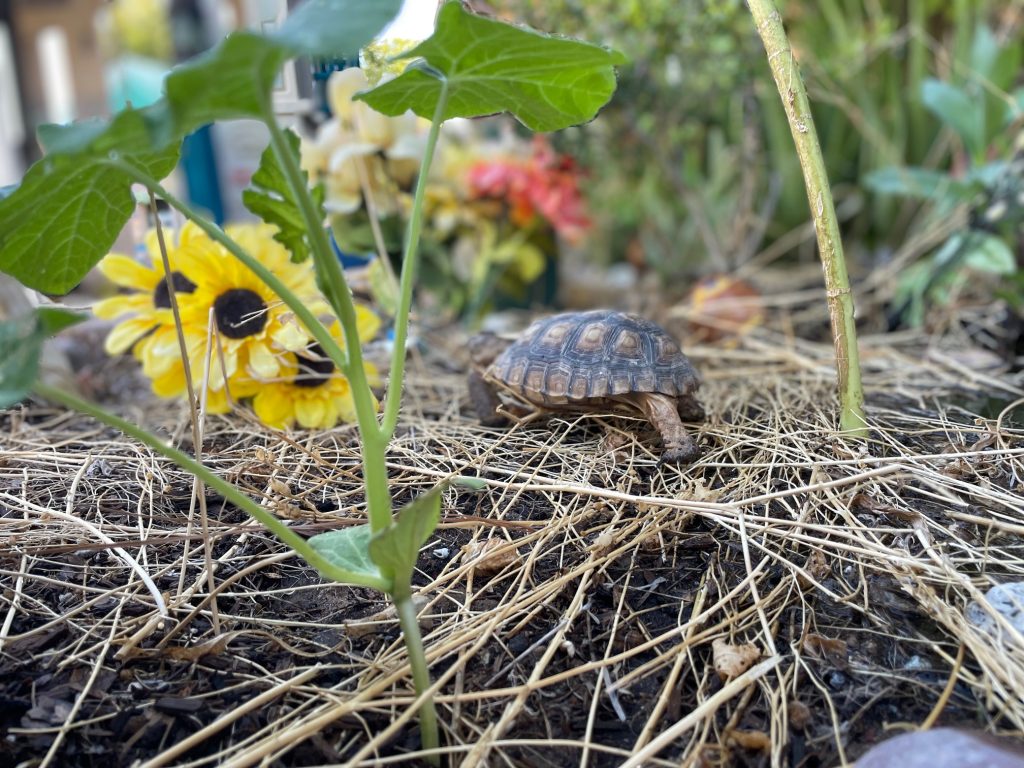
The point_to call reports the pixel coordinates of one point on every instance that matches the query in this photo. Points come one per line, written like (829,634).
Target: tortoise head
(485,347)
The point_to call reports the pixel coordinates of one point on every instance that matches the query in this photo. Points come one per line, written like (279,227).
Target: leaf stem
(223,487)
(410,264)
(429,735)
(837,283)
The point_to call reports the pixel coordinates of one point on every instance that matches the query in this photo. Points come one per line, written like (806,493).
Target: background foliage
(692,164)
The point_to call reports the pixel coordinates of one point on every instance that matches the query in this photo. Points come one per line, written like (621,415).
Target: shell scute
(584,355)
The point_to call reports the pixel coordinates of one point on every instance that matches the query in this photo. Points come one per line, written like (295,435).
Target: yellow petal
(367,322)
(346,407)
(217,402)
(290,336)
(263,362)
(170,384)
(128,273)
(123,335)
(116,306)
(311,412)
(152,241)
(341,87)
(271,408)
(218,374)
(372,375)
(330,414)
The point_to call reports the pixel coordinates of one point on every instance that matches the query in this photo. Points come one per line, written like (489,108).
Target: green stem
(429,735)
(212,480)
(410,264)
(837,283)
(330,269)
(375,475)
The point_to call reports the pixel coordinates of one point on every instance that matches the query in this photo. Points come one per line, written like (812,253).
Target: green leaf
(992,255)
(348,549)
(396,548)
(954,107)
(335,27)
(72,204)
(469,483)
(53,320)
(231,80)
(21,344)
(271,198)
(921,183)
(547,82)
(235,78)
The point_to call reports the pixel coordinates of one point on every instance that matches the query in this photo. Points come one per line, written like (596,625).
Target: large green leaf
(21,344)
(547,82)
(272,200)
(348,549)
(396,548)
(231,80)
(335,27)
(72,204)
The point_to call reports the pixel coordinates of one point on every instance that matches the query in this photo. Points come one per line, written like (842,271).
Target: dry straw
(848,565)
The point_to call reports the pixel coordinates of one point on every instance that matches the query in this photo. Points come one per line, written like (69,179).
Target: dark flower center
(314,371)
(240,313)
(162,296)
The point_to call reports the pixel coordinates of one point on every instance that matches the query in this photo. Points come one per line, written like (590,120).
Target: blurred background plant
(981,114)
(497,208)
(692,169)
(137,27)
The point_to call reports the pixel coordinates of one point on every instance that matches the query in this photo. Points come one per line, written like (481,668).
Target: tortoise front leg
(660,410)
(485,400)
(690,409)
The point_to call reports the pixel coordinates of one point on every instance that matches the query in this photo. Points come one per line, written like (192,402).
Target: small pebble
(944,748)
(1007,599)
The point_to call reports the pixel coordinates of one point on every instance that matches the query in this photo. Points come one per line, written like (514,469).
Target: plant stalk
(410,265)
(837,282)
(223,487)
(375,474)
(429,735)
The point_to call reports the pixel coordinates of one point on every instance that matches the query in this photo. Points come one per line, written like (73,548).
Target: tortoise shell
(584,355)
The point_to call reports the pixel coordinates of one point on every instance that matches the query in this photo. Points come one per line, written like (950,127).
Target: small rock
(944,748)
(1007,599)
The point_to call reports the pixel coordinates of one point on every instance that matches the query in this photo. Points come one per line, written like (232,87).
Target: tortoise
(590,361)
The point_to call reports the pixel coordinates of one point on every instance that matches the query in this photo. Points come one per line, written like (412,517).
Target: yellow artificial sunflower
(147,327)
(254,328)
(146,307)
(311,391)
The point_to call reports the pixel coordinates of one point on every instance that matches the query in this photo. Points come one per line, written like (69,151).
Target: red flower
(544,185)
